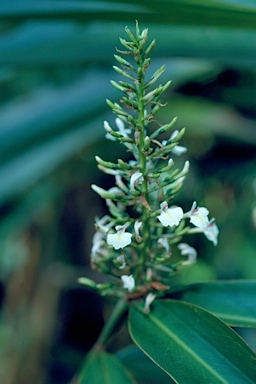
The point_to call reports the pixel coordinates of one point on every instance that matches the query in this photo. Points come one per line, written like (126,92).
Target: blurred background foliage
(56,62)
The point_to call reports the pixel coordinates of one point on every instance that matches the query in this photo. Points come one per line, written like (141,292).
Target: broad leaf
(103,368)
(142,368)
(231,301)
(191,345)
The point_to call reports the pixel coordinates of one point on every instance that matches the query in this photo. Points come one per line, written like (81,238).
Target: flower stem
(111,323)
(143,168)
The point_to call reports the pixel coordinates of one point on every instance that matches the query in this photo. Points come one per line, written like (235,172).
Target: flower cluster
(135,242)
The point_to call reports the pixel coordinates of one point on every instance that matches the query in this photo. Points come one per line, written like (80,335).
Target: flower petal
(170,216)
(128,282)
(120,239)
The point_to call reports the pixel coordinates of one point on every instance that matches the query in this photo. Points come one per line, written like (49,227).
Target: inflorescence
(136,240)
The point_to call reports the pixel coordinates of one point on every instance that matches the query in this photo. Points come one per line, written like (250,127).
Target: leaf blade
(191,335)
(103,368)
(231,301)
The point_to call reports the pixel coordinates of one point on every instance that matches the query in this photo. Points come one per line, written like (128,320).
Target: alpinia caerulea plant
(136,241)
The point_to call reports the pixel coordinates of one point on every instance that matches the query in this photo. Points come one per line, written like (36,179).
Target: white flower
(120,239)
(170,216)
(176,185)
(97,242)
(103,224)
(121,131)
(211,232)
(136,178)
(108,129)
(128,282)
(164,242)
(120,184)
(137,226)
(116,191)
(190,252)
(185,169)
(122,261)
(199,216)
(149,299)
(121,127)
(178,149)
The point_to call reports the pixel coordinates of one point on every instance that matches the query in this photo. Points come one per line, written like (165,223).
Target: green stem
(143,168)
(106,332)
(110,325)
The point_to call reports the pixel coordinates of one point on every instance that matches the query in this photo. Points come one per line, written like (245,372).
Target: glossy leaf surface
(231,301)
(142,368)
(103,368)
(192,345)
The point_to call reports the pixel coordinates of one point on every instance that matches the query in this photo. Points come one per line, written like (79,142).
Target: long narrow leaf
(231,301)
(190,12)
(192,345)
(40,160)
(48,43)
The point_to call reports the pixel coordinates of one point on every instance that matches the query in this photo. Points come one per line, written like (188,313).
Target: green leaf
(142,368)
(231,301)
(103,368)
(191,345)
(47,43)
(238,14)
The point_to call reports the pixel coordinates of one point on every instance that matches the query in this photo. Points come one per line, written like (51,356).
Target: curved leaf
(231,301)
(142,368)
(192,345)
(173,11)
(48,43)
(103,368)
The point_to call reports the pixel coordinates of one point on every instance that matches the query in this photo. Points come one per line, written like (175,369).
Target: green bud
(102,287)
(110,104)
(164,128)
(135,192)
(155,109)
(122,139)
(130,102)
(117,86)
(107,164)
(128,86)
(123,73)
(137,56)
(114,211)
(168,167)
(129,33)
(126,44)
(150,47)
(120,112)
(146,143)
(103,193)
(144,39)
(140,72)
(123,165)
(166,86)
(131,119)
(159,152)
(146,63)
(88,282)
(154,175)
(179,135)
(155,76)
(184,171)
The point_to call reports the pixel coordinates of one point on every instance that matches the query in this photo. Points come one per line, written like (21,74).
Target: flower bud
(117,86)
(88,282)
